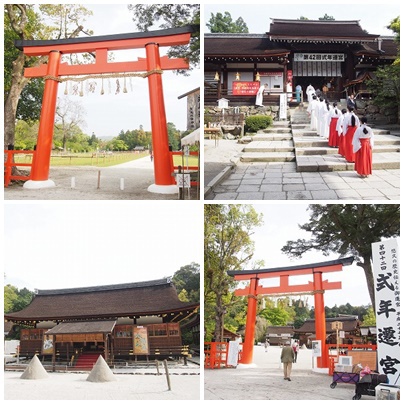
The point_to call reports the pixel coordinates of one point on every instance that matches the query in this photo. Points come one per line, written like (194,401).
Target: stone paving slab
(273,181)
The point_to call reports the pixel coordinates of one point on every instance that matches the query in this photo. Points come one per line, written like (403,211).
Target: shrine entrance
(317,287)
(153,66)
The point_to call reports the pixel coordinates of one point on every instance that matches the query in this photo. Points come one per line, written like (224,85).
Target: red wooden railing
(188,168)
(9,163)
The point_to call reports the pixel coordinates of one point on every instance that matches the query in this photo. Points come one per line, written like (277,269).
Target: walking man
(287,358)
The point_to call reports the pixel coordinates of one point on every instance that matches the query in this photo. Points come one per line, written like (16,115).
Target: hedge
(256,122)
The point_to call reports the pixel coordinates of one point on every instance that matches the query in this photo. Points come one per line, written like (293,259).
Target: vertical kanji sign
(387,304)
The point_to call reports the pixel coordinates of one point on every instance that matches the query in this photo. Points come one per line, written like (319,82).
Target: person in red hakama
(340,133)
(333,116)
(351,122)
(363,142)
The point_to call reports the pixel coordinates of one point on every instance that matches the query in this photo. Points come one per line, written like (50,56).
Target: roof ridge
(102,288)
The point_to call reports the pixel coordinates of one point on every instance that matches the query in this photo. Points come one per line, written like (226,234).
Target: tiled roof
(145,298)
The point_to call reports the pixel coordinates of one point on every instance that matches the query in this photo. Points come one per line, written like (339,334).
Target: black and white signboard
(386,269)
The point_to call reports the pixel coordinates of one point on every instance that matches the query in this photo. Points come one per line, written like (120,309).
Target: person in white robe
(318,112)
(310,90)
(311,109)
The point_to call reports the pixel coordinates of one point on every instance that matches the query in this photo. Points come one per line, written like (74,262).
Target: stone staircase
(294,141)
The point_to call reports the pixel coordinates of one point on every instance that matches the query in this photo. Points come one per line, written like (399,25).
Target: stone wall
(374,113)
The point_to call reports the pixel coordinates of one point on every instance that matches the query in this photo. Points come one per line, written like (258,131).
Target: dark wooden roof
(105,302)
(242,45)
(348,324)
(316,30)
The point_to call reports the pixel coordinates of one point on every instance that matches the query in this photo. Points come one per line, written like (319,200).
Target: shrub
(256,122)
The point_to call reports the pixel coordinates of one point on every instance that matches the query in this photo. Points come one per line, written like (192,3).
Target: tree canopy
(348,230)
(228,246)
(171,16)
(224,23)
(187,282)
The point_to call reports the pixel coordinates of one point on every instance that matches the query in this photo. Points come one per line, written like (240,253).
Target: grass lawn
(102,160)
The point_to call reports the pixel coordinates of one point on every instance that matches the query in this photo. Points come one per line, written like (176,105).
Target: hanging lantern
(217,77)
(238,76)
(257,77)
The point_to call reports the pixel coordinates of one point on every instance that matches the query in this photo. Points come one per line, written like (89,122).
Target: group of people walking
(343,129)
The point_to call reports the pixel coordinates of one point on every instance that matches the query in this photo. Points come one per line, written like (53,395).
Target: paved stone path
(264,170)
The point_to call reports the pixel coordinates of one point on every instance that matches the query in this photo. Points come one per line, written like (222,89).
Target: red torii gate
(317,288)
(99,46)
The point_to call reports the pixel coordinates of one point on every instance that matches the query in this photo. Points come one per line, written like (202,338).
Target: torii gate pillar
(163,166)
(317,288)
(41,163)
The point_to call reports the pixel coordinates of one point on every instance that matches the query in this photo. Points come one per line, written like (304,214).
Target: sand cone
(34,370)
(101,372)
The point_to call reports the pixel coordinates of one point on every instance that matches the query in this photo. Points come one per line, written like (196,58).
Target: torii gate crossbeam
(153,64)
(317,288)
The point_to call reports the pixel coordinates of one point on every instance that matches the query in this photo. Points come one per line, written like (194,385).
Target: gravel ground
(137,176)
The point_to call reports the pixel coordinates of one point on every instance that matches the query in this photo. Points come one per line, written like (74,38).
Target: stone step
(269,146)
(268,157)
(275,130)
(392,142)
(335,162)
(259,137)
(315,150)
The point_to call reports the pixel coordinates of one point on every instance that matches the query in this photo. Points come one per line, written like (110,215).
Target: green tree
(228,246)
(171,16)
(174,136)
(348,230)
(21,21)
(395,27)
(369,319)
(187,282)
(224,23)
(16,299)
(385,86)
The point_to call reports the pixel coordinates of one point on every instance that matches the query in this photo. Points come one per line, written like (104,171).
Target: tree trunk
(367,267)
(10,106)
(219,317)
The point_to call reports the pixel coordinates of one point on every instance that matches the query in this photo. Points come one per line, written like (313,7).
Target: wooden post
(319,316)
(167,374)
(248,346)
(161,151)
(40,168)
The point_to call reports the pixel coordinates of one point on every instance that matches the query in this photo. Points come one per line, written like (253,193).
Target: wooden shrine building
(350,325)
(335,54)
(126,321)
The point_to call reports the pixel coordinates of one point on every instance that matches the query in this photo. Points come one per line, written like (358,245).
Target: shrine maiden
(363,142)
(351,122)
(340,133)
(333,116)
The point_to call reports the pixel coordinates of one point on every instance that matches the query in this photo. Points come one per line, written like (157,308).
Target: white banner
(282,106)
(387,303)
(232,354)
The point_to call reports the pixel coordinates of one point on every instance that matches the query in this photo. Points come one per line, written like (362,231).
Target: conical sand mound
(34,370)
(101,372)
